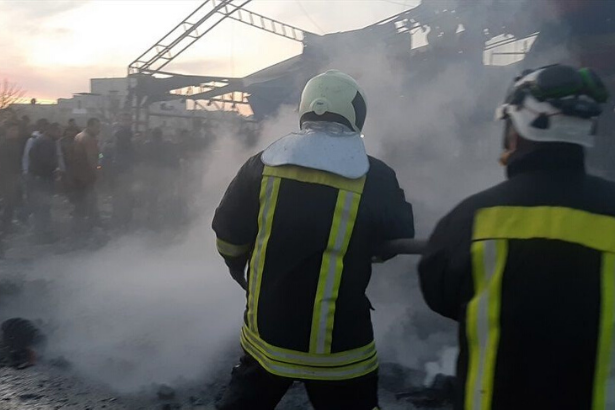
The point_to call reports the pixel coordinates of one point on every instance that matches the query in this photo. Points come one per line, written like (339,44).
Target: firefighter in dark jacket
(307,215)
(527,267)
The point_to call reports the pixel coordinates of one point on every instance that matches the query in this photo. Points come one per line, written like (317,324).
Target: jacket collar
(569,159)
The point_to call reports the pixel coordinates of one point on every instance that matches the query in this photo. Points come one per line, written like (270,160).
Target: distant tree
(10,93)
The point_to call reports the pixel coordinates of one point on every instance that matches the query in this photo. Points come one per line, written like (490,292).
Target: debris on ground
(21,340)
(439,394)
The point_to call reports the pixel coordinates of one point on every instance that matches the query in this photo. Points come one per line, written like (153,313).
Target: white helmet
(555,104)
(334,97)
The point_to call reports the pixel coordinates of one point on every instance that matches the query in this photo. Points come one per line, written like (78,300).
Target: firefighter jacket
(528,270)
(309,237)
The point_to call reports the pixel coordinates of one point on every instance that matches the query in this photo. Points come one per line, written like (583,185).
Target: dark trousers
(253,388)
(123,200)
(86,206)
(42,195)
(12,197)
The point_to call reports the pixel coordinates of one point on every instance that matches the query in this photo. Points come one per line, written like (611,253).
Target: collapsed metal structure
(266,90)
(480,31)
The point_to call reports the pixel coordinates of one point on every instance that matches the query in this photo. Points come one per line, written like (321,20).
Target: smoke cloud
(143,311)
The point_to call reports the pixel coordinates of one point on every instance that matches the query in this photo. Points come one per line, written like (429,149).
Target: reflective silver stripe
(489,265)
(327,297)
(303,372)
(356,355)
(262,234)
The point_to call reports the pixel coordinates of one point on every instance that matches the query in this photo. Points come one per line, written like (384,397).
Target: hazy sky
(52,48)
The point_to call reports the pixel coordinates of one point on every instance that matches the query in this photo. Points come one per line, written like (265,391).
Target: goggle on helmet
(572,92)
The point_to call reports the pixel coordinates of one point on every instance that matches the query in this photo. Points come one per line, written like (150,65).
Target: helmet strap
(510,144)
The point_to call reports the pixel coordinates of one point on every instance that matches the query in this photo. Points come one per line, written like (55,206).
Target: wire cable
(309,17)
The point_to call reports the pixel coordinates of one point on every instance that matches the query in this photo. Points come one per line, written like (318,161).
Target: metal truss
(200,22)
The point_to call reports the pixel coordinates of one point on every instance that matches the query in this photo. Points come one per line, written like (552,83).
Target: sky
(51,48)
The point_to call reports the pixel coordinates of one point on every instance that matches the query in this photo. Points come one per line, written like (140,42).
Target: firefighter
(307,215)
(527,267)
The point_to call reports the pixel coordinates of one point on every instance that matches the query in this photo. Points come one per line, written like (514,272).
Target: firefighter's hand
(240,278)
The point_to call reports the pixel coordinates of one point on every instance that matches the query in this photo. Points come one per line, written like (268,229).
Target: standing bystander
(86,154)
(10,173)
(43,166)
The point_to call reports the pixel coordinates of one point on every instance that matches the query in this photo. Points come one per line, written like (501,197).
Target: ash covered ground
(89,363)
(58,382)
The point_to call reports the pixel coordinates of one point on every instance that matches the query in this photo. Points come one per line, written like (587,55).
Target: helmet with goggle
(555,104)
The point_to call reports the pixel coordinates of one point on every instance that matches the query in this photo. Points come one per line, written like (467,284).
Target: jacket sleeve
(25,162)
(396,218)
(236,219)
(445,269)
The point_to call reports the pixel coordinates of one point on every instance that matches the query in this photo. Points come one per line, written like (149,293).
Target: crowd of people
(44,160)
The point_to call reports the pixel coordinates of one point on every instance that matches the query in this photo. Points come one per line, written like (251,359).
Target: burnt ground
(45,387)
(54,384)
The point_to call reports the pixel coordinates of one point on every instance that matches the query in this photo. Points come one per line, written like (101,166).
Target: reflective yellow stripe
(331,269)
(230,250)
(283,368)
(604,359)
(483,321)
(495,304)
(302,358)
(313,176)
(478,271)
(564,224)
(270,188)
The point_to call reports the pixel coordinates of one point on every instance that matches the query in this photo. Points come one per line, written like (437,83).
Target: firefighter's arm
(397,217)
(236,219)
(445,268)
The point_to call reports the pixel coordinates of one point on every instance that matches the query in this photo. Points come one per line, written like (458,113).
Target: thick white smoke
(140,311)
